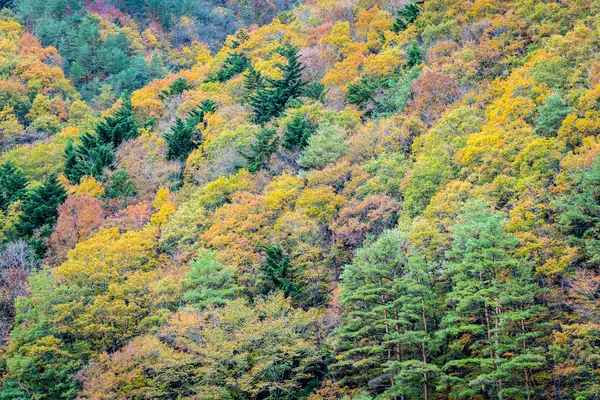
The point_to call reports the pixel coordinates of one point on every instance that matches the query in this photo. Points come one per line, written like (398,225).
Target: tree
(234,64)
(407,16)
(185,136)
(209,282)
(552,111)
(119,126)
(270,100)
(276,271)
(415,55)
(492,302)
(324,147)
(40,208)
(13,184)
(579,214)
(297,132)
(90,157)
(266,144)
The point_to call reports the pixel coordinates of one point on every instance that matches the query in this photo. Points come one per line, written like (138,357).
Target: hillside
(357,199)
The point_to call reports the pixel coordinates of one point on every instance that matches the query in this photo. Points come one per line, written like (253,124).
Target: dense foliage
(361,199)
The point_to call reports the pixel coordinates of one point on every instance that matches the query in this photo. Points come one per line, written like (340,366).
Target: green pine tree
(276,272)
(210,283)
(13,184)
(266,144)
(492,302)
(90,157)
(269,100)
(120,126)
(297,132)
(39,207)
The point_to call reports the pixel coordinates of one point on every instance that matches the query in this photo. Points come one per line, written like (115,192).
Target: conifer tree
(120,126)
(297,132)
(276,270)
(261,150)
(179,141)
(415,55)
(13,184)
(269,101)
(39,207)
(185,136)
(90,157)
(492,301)
(210,283)
(234,64)
(407,16)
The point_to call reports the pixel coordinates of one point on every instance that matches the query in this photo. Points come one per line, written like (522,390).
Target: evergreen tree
(579,214)
(90,157)
(39,207)
(417,310)
(210,283)
(552,111)
(185,136)
(13,184)
(120,126)
(415,55)
(407,16)
(269,101)
(179,141)
(234,64)
(297,132)
(276,271)
(492,302)
(260,151)
(208,106)
(253,83)
(369,293)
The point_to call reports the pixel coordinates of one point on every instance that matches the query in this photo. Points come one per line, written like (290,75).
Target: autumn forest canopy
(299,200)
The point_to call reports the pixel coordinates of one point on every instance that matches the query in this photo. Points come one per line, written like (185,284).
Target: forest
(299,200)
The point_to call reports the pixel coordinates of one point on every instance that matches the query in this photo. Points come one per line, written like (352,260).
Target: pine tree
(276,272)
(39,207)
(120,126)
(492,302)
(369,295)
(208,106)
(234,64)
(185,136)
(297,132)
(269,101)
(90,157)
(210,283)
(13,184)
(179,141)
(415,55)
(260,151)
(407,16)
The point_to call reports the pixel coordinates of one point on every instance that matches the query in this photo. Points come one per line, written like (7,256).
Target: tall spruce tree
(13,184)
(297,132)
(277,273)
(185,136)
